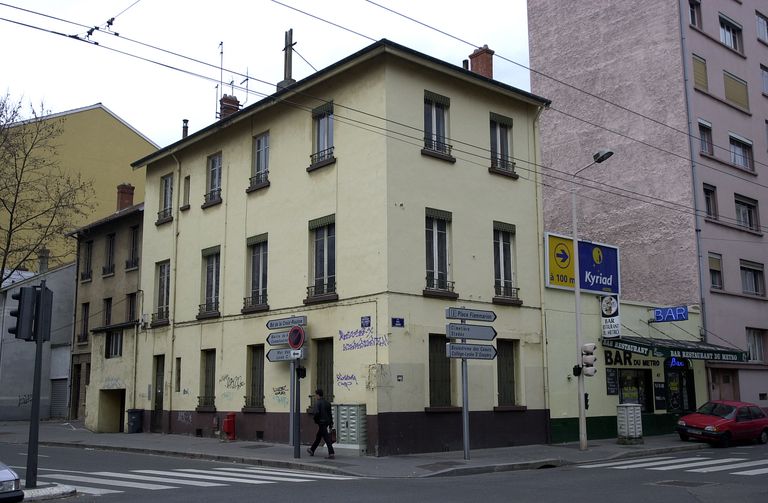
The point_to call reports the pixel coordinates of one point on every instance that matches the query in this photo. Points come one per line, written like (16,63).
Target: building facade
(678,91)
(367,198)
(106,314)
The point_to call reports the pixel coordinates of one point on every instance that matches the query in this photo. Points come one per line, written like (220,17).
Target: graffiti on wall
(232,382)
(361,338)
(281,394)
(184,417)
(346,380)
(113,383)
(25,400)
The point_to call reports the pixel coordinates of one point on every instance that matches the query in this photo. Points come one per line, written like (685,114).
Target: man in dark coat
(324,420)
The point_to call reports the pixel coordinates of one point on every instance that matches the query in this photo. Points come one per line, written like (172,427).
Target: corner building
(368,197)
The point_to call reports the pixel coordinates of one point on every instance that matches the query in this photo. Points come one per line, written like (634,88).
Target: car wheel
(683,437)
(763,438)
(725,441)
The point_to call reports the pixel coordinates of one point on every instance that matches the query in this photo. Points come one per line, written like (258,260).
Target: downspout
(74,326)
(174,268)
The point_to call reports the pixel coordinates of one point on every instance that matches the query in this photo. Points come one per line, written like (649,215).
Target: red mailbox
(229,425)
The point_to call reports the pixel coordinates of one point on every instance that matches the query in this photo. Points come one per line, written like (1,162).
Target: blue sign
(664,314)
(365,321)
(398,322)
(598,268)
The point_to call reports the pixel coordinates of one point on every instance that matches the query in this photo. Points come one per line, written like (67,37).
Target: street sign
(471,351)
(277,338)
(286,354)
(296,337)
(457,313)
(559,263)
(476,332)
(287,322)
(610,321)
(598,265)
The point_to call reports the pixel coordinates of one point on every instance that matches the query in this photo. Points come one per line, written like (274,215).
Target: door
(724,385)
(58,398)
(75,403)
(156,423)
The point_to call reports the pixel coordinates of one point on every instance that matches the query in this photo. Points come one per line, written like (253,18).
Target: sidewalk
(439,464)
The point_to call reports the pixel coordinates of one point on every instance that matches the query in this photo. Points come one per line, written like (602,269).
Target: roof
(16,277)
(136,208)
(692,350)
(375,49)
(30,277)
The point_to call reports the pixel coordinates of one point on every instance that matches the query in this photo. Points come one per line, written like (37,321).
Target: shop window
(636,386)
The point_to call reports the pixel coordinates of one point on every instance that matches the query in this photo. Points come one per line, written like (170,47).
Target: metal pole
(465,402)
(34,418)
(291,398)
(577,296)
(296,413)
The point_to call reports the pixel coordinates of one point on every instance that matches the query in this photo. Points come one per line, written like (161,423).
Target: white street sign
(457,313)
(287,322)
(470,351)
(277,338)
(286,354)
(475,332)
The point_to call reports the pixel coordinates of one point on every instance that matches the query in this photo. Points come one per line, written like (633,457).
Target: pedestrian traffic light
(588,359)
(24,314)
(301,372)
(586,401)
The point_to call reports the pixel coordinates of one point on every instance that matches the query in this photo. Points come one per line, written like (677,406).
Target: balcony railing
(161,316)
(85,275)
(502,163)
(132,263)
(437,145)
(256,301)
(206,401)
(213,196)
(164,214)
(254,401)
(320,288)
(322,155)
(259,178)
(507,291)
(209,307)
(108,269)
(82,336)
(439,284)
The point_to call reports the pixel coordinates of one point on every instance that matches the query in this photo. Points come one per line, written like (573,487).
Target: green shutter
(736,91)
(430,97)
(257,376)
(500,119)
(321,222)
(324,349)
(501,226)
(505,368)
(438,214)
(700,73)
(439,372)
(254,240)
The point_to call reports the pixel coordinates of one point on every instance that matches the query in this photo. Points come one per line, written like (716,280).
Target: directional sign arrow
(456,313)
(287,322)
(277,338)
(562,255)
(285,354)
(476,332)
(470,351)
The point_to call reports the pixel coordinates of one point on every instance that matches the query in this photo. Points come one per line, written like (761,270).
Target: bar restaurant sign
(609,316)
(662,348)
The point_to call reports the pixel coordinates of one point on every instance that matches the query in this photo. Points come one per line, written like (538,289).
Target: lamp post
(598,157)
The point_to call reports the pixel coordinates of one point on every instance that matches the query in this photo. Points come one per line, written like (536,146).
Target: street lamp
(598,157)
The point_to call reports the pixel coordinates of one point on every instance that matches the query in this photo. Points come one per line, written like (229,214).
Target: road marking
(617,463)
(759,471)
(254,476)
(730,467)
(108,482)
(657,463)
(698,463)
(318,476)
(148,478)
(94,491)
(203,477)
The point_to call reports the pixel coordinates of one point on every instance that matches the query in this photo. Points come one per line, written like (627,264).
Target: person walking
(323,419)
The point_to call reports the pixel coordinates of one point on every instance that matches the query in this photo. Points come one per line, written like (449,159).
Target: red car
(722,421)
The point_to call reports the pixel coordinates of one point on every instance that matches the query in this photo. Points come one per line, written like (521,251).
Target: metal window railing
(206,401)
(439,284)
(507,291)
(82,336)
(502,163)
(321,155)
(161,314)
(254,401)
(132,263)
(210,306)
(164,214)
(213,196)
(256,300)
(259,178)
(108,269)
(85,275)
(321,288)
(437,145)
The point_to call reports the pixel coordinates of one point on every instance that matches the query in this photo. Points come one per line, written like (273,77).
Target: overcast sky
(66,73)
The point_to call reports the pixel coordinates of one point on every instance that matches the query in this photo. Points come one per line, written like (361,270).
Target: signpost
(459,313)
(287,322)
(475,332)
(470,351)
(286,354)
(277,338)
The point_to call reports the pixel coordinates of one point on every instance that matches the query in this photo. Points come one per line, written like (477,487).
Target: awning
(693,350)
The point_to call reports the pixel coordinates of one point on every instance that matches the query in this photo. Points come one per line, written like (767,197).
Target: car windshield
(716,409)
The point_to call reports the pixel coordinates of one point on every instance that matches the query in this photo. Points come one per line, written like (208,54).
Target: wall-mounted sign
(666,314)
(365,321)
(611,381)
(398,322)
(598,265)
(609,317)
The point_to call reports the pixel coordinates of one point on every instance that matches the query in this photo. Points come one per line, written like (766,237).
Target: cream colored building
(320,201)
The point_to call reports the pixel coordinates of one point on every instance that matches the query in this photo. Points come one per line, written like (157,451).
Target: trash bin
(629,419)
(135,420)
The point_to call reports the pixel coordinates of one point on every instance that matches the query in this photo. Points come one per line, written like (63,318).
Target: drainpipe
(174,268)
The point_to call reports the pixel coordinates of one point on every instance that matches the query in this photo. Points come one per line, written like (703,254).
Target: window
(437,254)
(322,119)
(741,153)
(746,213)
(255,377)
(260,168)
(736,91)
(107,311)
(501,155)
(257,250)
(85,313)
(177,377)
(130,307)
(716,271)
(436,123)
(207,398)
(636,386)
(113,345)
(752,279)
(710,200)
(730,34)
(764,74)
(505,368)
(109,254)
(324,262)
(185,203)
(86,268)
(212,266)
(694,13)
(762,27)
(213,194)
(503,260)
(133,252)
(705,138)
(163,274)
(756,344)
(439,372)
(166,199)
(700,80)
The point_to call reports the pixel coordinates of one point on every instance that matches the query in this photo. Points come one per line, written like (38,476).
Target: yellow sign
(560,262)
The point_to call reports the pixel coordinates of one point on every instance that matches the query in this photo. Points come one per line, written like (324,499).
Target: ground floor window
(114,345)
(636,386)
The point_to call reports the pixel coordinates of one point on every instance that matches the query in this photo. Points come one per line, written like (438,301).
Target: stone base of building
(567,430)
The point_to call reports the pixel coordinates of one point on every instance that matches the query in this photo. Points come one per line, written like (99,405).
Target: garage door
(59,398)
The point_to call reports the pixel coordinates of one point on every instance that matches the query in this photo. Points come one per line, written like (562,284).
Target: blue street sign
(365,321)
(664,314)
(398,322)
(598,268)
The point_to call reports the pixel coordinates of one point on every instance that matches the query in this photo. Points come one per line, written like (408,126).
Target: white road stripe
(319,476)
(253,476)
(617,463)
(759,471)
(657,463)
(204,477)
(698,463)
(108,482)
(730,467)
(133,476)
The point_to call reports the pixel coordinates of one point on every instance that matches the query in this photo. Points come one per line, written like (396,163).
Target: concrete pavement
(439,464)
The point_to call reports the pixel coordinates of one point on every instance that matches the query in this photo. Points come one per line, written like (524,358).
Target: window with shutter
(700,73)
(736,91)
(439,372)
(505,367)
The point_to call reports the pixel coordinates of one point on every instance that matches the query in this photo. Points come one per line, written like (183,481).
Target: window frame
(324,259)
(731,34)
(506,367)
(258,272)
(439,367)
(437,126)
(186,192)
(260,162)
(322,137)
(706,144)
(710,201)
(694,13)
(213,176)
(756,345)
(109,254)
(162,301)
(743,159)
(504,263)
(86,270)
(762,27)
(255,377)
(107,311)
(133,250)
(211,287)
(700,74)
(715,262)
(438,258)
(754,272)
(130,307)
(113,344)
(736,81)
(85,314)
(501,144)
(747,213)
(165,212)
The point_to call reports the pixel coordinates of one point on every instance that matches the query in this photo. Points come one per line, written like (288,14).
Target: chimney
(229,105)
(184,128)
(124,196)
(42,256)
(482,61)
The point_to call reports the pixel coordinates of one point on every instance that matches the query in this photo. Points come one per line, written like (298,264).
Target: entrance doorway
(156,421)
(681,395)
(725,384)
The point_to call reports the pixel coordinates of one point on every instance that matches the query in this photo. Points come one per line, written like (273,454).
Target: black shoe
(310,451)
(330,456)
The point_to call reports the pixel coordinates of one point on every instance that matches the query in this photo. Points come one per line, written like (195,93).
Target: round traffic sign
(296,337)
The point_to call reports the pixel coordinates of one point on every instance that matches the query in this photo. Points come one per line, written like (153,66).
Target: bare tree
(39,202)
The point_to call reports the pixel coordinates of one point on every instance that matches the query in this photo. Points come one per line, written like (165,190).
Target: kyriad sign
(598,265)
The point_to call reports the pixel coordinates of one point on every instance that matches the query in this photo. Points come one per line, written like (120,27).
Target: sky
(65,73)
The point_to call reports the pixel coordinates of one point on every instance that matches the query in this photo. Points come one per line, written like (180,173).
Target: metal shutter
(59,398)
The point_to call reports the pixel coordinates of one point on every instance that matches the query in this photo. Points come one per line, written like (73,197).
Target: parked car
(723,421)
(10,485)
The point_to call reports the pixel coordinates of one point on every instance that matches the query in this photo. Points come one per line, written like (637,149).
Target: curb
(48,493)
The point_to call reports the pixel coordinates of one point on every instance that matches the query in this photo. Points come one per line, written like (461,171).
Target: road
(711,475)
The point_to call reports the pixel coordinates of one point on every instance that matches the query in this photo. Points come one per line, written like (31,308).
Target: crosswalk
(698,464)
(111,482)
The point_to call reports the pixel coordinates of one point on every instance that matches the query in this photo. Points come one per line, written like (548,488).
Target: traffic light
(301,372)
(588,359)
(586,401)
(24,314)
